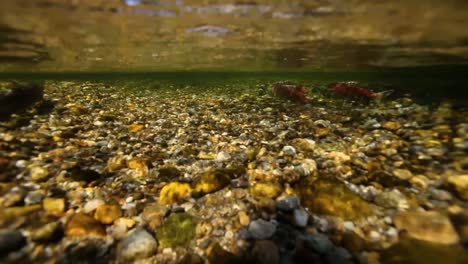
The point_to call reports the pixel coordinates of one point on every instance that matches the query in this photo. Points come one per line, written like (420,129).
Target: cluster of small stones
(171,176)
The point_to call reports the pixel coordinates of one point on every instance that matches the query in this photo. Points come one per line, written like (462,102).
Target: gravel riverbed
(101,174)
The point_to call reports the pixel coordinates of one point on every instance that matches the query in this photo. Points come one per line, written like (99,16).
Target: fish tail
(382,95)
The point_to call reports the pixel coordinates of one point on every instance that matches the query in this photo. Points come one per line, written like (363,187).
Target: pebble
(460,184)
(136,245)
(420,181)
(441,195)
(261,229)
(288,203)
(289,150)
(153,215)
(402,174)
(34,197)
(348,226)
(82,224)
(304,144)
(223,156)
(392,199)
(430,226)
(39,173)
(244,218)
(54,206)
(91,205)
(319,243)
(120,227)
(11,240)
(107,213)
(300,217)
(391,125)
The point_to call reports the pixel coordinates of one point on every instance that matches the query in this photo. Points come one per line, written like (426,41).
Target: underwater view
(222,131)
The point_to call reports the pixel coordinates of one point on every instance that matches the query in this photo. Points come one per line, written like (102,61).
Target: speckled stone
(84,225)
(261,229)
(137,244)
(107,213)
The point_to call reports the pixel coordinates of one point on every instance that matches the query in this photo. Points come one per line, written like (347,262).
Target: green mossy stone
(331,197)
(214,180)
(177,230)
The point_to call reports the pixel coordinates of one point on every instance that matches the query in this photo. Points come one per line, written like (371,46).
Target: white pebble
(289,150)
(91,205)
(20,164)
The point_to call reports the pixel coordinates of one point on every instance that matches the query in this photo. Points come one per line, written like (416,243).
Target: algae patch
(177,230)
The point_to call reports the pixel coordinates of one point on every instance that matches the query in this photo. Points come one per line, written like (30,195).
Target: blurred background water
(395,41)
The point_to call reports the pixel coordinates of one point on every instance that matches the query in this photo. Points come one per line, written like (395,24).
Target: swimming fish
(293,92)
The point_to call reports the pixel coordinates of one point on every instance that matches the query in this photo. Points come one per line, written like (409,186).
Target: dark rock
(11,240)
(261,229)
(19,98)
(85,252)
(79,174)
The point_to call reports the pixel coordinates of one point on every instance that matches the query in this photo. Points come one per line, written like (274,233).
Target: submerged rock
(136,245)
(177,230)
(11,240)
(266,190)
(261,229)
(331,197)
(460,184)
(212,181)
(174,192)
(19,98)
(107,213)
(215,254)
(421,252)
(429,226)
(84,225)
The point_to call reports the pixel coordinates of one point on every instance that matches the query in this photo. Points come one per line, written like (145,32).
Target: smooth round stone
(430,226)
(348,226)
(223,156)
(54,206)
(288,203)
(91,205)
(244,218)
(402,174)
(261,229)
(153,215)
(289,150)
(34,197)
(39,173)
(84,225)
(300,217)
(441,195)
(136,245)
(460,184)
(319,243)
(11,240)
(107,213)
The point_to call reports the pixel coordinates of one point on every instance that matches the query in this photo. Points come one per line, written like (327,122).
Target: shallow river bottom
(174,175)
